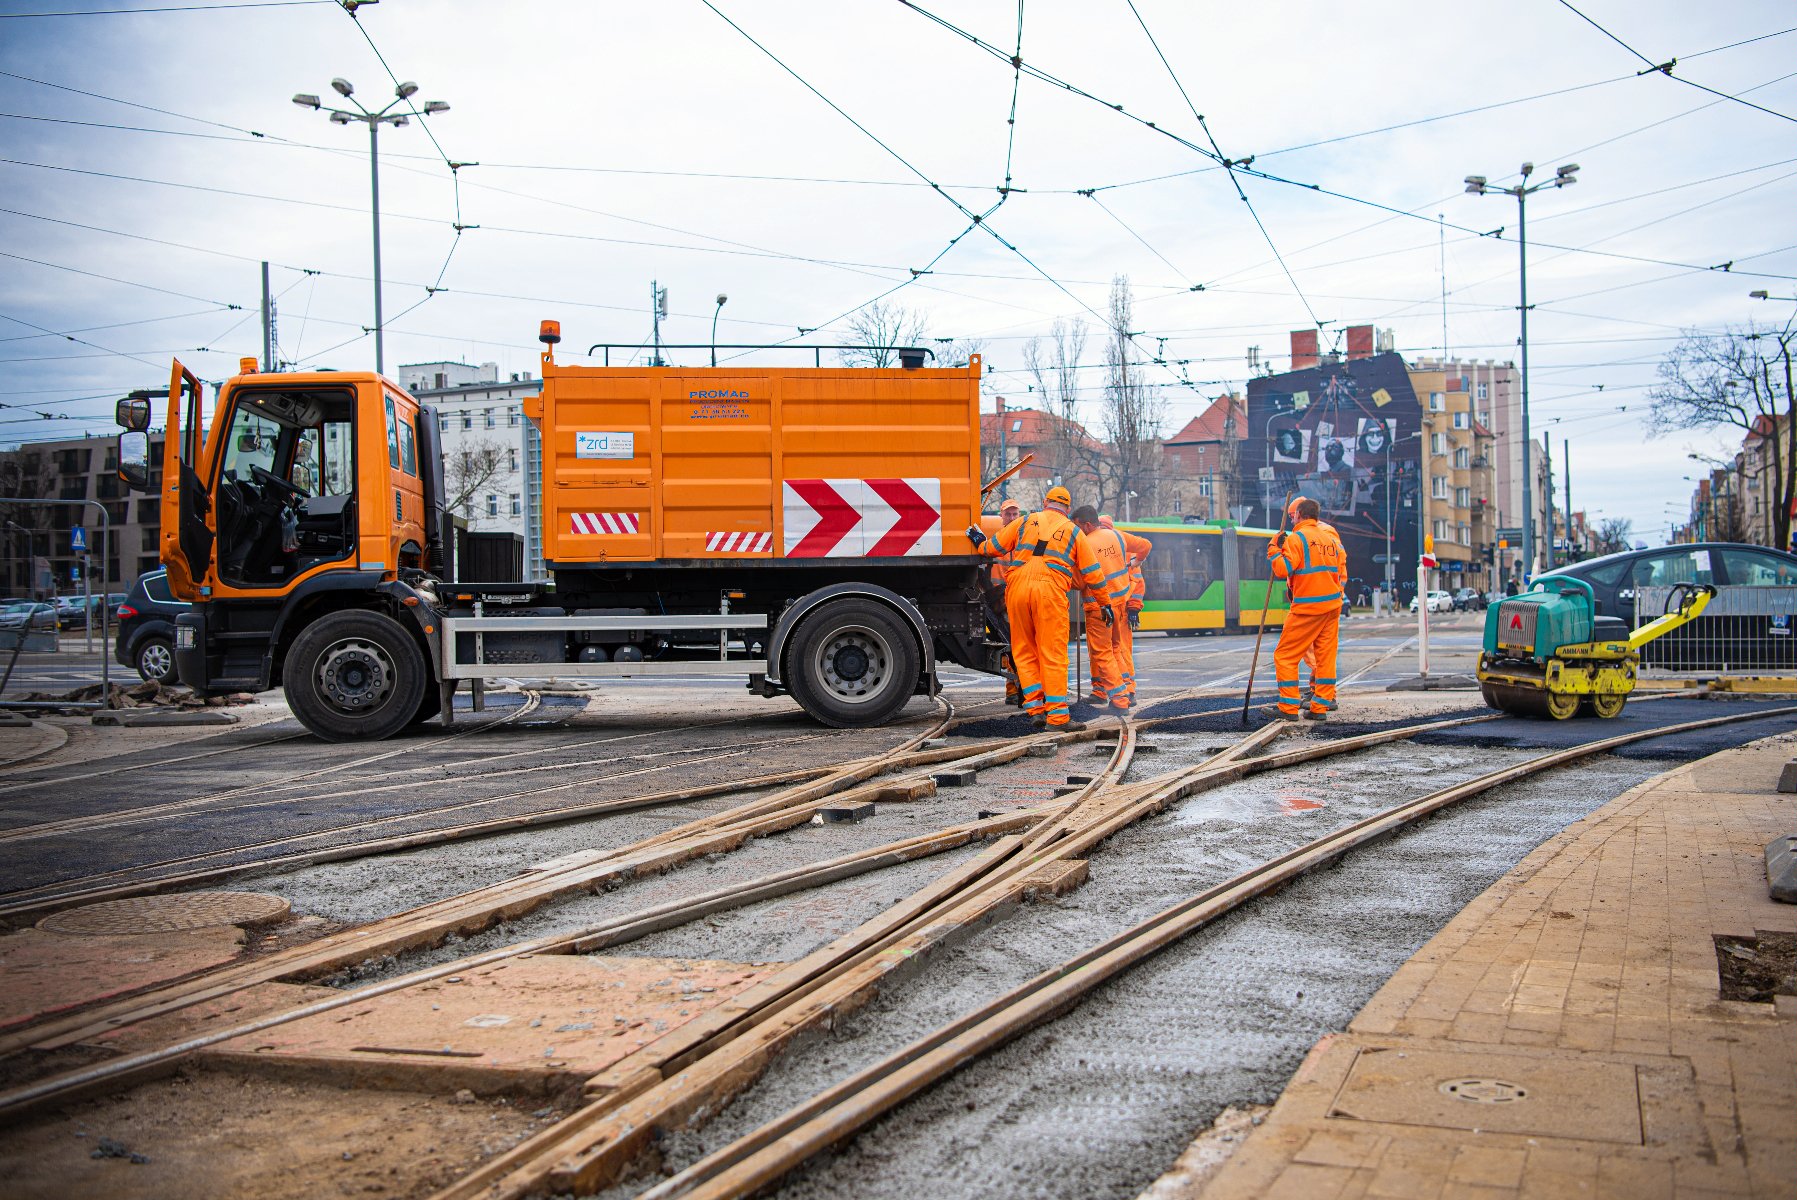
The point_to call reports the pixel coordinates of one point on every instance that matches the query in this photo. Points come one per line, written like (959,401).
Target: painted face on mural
(1373,439)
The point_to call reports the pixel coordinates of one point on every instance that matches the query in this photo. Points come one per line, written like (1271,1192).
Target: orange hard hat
(1059,495)
(1293,506)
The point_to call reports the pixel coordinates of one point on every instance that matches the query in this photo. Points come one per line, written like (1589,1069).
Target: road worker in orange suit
(1139,548)
(996,615)
(1049,557)
(1311,559)
(1113,660)
(1138,591)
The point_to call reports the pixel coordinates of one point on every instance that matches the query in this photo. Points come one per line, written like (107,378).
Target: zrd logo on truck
(862,518)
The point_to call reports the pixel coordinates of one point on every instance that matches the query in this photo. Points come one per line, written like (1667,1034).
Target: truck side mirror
(134,458)
(133,412)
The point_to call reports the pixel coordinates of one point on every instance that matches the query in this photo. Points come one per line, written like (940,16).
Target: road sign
(78,539)
(1266,475)
(875,518)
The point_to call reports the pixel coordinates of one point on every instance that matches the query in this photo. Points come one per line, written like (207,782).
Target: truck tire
(852,664)
(355,676)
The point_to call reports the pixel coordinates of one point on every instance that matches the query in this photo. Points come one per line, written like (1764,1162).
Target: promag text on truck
(799,526)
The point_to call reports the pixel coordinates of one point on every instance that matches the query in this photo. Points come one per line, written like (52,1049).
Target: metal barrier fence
(1744,631)
(39,662)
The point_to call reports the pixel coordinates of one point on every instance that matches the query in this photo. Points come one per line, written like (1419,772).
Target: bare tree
(879,329)
(469,468)
(1072,453)
(956,352)
(1614,534)
(1133,413)
(1741,378)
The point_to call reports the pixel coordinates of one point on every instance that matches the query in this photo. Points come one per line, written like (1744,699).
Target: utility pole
(1547,496)
(1478,185)
(1566,473)
(1004,459)
(268,324)
(658,308)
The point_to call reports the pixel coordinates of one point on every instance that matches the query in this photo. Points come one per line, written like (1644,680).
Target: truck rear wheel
(852,664)
(355,676)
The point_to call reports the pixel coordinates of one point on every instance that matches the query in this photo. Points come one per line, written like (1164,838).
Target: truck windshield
(251,442)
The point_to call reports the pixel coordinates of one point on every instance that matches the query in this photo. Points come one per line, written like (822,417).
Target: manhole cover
(1484,1091)
(167,914)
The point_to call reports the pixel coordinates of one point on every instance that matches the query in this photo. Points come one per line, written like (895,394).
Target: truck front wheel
(355,676)
(852,664)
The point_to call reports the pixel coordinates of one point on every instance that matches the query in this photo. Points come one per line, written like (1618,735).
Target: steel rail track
(472,911)
(178,807)
(760,1158)
(701,1064)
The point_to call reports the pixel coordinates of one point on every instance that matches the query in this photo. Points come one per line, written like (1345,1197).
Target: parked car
(1468,599)
(1736,633)
(35,615)
(146,632)
(78,612)
(1439,602)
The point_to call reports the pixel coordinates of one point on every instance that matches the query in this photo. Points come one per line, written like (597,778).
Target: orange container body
(674,464)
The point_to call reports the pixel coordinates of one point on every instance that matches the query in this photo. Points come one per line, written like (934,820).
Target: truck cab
(291,497)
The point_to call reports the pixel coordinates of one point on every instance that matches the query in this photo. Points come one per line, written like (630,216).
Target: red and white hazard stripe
(603,522)
(739,542)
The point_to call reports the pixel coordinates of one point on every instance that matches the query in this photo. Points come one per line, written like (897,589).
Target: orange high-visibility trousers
(1040,625)
(1113,665)
(1313,635)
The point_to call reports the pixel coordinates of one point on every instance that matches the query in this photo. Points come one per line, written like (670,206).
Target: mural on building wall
(1346,435)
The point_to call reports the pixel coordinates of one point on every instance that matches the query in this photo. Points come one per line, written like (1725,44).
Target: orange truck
(801,527)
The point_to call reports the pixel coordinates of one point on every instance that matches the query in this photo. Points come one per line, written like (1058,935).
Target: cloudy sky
(806,158)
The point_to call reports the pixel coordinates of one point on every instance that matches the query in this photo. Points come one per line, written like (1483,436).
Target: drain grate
(167,914)
(1484,1091)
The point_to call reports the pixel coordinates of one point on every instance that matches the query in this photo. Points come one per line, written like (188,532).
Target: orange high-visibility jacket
(1312,560)
(1047,545)
(1112,549)
(1138,549)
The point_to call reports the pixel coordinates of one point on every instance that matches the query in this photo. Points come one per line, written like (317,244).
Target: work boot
(1069,727)
(1038,723)
(1312,715)
(1098,698)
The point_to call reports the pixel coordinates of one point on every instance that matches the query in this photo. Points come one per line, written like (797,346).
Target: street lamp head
(1760,294)
(341,118)
(721,299)
(1568,169)
(305,100)
(433,107)
(1475,185)
(400,119)
(342,86)
(1528,169)
(406,90)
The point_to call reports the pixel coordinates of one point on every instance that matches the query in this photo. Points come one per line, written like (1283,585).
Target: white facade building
(492,457)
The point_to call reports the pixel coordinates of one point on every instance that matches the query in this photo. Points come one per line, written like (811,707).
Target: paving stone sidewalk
(1565,1035)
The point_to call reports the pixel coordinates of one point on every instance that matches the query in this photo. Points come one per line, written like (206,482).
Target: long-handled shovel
(1266,606)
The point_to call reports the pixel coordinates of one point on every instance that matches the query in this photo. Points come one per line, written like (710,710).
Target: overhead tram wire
(1242,165)
(977,219)
(1665,68)
(165,8)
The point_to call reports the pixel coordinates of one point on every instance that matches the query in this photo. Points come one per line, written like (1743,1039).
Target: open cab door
(187,521)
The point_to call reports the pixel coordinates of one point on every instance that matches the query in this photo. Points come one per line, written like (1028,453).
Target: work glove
(1275,550)
(1104,614)
(976,536)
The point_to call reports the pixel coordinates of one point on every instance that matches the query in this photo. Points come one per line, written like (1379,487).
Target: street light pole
(1477,185)
(714,327)
(374,120)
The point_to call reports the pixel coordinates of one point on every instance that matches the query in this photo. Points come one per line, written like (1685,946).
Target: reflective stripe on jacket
(1314,563)
(1048,546)
(1113,556)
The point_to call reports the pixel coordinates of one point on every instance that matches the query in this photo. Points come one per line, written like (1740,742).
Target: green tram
(1204,578)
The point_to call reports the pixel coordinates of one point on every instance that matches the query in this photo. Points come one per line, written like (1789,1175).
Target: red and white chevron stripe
(603,522)
(739,542)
